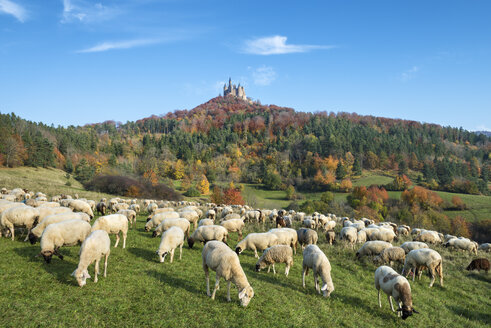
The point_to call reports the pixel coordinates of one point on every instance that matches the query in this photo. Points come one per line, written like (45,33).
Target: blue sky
(80,61)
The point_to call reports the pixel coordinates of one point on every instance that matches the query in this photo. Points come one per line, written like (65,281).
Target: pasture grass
(140,291)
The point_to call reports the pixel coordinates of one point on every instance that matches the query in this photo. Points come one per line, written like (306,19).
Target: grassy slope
(139,291)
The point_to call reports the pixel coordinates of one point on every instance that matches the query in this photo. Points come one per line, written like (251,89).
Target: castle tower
(233,90)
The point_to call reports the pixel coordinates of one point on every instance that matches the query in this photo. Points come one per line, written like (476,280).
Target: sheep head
(81,276)
(245,295)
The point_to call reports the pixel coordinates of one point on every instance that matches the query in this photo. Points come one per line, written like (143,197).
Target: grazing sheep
(315,259)
(307,236)
(350,234)
(382,234)
(254,215)
(410,245)
(113,224)
(465,245)
(424,257)
(64,233)
(207,233)
(204,222)
(479,264)
(135,207)
(130,215)
(329,225)
(397,287)
(257,241)
(18,216)
(168,223)
(276,254)
(286,236)
(280,222)
(37,231)
(81,206)
(119,206)
(93,249)
(403,230)
(309,223)
(101,208)
(361,237)
(234,225)
(154,220)
(486,247)
(391,254)
(211,214)
(192,216)
(428,237)
(171,239)
(151,208)
(220,258)
(374,247)
(330,236)
(46,211)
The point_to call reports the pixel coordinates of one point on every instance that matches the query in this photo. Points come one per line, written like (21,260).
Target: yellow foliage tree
(203,185)
(179,170)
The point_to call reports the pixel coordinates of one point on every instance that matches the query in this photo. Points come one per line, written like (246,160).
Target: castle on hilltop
(236,91)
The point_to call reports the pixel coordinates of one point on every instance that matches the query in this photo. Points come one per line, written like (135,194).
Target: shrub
(192,192)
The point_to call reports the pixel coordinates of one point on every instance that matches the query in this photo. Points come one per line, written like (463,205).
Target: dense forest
(227,139)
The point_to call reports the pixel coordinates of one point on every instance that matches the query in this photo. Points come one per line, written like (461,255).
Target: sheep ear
(73,273)
(323,288)
(86,274)
(242,293)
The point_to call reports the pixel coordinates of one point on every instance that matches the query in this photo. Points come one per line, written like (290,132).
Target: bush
(192,192)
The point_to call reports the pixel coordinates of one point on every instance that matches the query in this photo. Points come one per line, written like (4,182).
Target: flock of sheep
(65,221)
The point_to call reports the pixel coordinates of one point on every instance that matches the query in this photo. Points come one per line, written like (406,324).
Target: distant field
(370,179)
(139,291)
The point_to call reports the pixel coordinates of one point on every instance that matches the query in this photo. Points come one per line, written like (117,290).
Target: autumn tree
(179,170)
(203,185)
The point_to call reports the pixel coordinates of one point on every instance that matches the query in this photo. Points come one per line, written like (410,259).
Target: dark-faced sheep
(479,264)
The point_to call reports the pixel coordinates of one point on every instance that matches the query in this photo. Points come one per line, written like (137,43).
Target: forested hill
(228,139)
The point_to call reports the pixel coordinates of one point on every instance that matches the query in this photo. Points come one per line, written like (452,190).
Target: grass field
(140,291)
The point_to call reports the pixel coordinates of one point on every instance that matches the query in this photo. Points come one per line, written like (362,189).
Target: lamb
(462,244)
(410,245)
(374,247)
(113,224)
(234,225)
(171,239)
(168,223)
(479,264)
(330,236)
(67,233)
(207,233)
(19,216)
(424,257)
(101,208)
(286,236)
(81,206)
(218,257)
(306,236)
(93,249)
(391,254)
(37,231)
(157,218)
(130,215)
(276,254)
(204,222)
(257,241)
(315,259)
(350,234)
(486,247)
(397,287)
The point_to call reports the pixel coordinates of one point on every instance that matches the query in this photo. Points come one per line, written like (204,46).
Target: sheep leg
(105,265)
(172,255)
(207,278)
(96,267)
(304,272)
(117,240)
(379,301)
(240,235)
(228,291)
(27,236)
(180,251)
(390,301)
(217,286)
(274,271)
(316,282)
(255,253)
(124,239)
(12,232)
(287,270)
(432,274)
(269,268)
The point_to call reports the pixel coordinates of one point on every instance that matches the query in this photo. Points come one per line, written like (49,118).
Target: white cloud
(11,8)
(276,45)
(264,75)
(409,74)
(105,46)
(86,12)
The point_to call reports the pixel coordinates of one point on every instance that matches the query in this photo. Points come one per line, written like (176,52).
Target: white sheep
(157,218)
(37,231)
(93,249)
(130,215)
(486,247)
(276,254)
(171,239)
(410,245)
(25,216)
(307,236)
(426,257)
(463,244)
(191,215)
(286,236)
(374,247)
(204,222)
(64,233)
(135,207)
(315,259)
(220,258)
(207,233)
(397,287)
(81,206)
(46,211)
(350,234)
(167,223)
(234,225)
(431,237)
(361,237)
(256,241)
(309,223)
(390,254)
(113,224)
